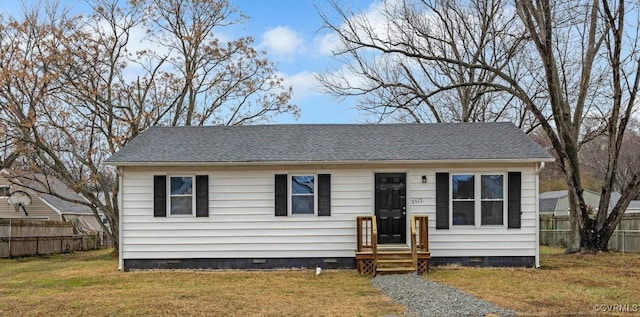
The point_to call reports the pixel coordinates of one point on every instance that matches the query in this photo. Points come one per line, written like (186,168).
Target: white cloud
(328,43)
(282,41)
(304,85)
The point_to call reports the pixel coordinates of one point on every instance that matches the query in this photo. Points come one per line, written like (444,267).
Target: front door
(390,207)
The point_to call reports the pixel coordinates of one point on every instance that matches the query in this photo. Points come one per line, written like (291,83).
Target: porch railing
(367,236)
(419,237)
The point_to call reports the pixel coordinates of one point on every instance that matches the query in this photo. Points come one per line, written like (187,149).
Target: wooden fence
(26,238)
(555,231)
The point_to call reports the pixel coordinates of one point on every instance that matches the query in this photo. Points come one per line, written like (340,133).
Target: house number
(415,201)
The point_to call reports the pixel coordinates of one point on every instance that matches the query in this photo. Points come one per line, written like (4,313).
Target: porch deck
(373,258)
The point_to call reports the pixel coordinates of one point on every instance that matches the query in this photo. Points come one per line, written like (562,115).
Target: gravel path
(427,298)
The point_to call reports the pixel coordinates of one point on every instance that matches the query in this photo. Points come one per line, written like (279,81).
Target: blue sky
(291,33)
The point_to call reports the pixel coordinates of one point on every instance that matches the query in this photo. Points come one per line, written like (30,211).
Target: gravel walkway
(427,298)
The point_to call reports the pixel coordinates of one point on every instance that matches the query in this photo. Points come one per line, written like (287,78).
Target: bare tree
(212,81)
(594,158)
(383,61)
(76,89)
(578,58)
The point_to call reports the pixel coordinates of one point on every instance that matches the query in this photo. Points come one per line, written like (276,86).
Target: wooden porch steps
(394,261)
(391,262)
(374,258)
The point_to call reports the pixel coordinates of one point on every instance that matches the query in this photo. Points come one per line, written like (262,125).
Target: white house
(557,202)
(288,195)
(44,206)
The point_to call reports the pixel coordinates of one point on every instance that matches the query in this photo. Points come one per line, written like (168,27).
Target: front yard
(577,285)
(87,283)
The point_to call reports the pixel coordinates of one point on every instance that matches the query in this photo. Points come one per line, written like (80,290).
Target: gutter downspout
(121,214)
(537,169)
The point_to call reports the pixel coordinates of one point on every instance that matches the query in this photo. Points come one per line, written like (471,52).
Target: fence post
(10,237)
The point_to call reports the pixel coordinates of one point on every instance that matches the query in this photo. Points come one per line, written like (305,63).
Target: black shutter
(324,194)
(281,194)
(442,200)
(514,205)
(202,195)
(159,195)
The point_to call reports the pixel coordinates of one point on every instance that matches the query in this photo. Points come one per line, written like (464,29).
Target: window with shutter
(307,194)
(179,196)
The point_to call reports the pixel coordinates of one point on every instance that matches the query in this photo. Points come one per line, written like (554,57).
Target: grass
(88,284)
(577,284)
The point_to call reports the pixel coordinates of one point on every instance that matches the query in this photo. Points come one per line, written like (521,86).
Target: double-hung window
(492,199)
(181,195)
(303,195)
(477,197)
(463,199)
(5,191)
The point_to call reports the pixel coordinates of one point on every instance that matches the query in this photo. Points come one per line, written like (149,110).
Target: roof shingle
(330,143)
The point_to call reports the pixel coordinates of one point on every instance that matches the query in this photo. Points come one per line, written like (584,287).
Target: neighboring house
(634,205)
(39,209)
(288,195)
(46,206)
(557,202)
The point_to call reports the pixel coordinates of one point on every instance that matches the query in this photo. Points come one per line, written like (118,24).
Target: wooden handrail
(374,242)
(414,251)
(424,233)
(359,234)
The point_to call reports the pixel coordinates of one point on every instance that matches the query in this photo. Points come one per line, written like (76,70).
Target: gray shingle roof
(58,187)
(547,204)
(553,194)
(330,143)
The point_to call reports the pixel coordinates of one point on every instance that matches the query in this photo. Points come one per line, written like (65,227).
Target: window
(303,200)
(466,207)
(492,199)
(5,191)
(181,195)
(463,199)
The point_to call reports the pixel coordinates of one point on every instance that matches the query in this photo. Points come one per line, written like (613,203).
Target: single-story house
(45,206)
(557,202)
(270,196)
(634,205)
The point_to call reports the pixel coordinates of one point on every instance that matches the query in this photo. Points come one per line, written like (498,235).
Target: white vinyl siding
(470,241)
(241,220)
(242,224)
(38,210)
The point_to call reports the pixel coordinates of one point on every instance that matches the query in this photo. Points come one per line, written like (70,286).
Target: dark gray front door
(390,207)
